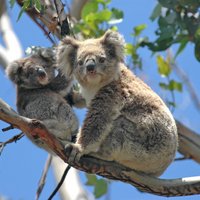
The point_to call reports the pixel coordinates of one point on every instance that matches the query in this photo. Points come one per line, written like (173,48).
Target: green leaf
(26,4)
(38,5)
(20,14)
(104,2)
(181,47)
(12,3)
(90,7)
(104,15)
(164,86)
(91,179)
(170,103)
(101,188)
(117,14)
(138,29)
(164,68)
(129,49)
(174,85)
(156,12)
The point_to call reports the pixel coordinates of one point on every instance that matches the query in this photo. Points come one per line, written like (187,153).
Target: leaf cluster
(178,23)
(97,17)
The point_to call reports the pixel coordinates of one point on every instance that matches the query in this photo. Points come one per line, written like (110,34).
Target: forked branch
(111,170)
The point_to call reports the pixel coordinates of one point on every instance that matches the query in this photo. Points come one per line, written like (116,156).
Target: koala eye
(102,59)
(80,62)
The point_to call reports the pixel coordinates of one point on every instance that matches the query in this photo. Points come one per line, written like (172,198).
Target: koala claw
(75,154)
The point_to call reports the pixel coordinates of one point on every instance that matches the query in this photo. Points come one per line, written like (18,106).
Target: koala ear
(13,71)
(114,43)
(66,55)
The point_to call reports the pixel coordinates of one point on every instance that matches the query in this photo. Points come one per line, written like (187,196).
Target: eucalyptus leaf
(101,188)
(156,12)
(164,68)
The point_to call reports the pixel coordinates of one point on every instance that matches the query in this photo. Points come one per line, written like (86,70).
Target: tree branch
(72,182)
(111,170)
(189,142)
(12,49)
(76,8)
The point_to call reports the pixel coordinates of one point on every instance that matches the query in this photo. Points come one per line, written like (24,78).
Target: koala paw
(76,153)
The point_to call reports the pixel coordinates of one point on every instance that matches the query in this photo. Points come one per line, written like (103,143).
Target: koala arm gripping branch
(103,110)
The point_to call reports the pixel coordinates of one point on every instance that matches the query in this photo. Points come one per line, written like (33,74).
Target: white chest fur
(89,93)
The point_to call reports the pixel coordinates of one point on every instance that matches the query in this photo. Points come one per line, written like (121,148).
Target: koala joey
(40,95)
(126,121)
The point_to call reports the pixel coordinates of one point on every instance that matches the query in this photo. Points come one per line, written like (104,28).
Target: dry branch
(12,49)
(189,142)
(111,170)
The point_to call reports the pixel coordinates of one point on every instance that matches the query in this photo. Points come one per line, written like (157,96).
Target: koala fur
(126,121)
(40,95)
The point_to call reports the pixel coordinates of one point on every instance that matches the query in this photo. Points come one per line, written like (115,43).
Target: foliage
(132,48)
(100,185)
(28,4)
(97,17)
(178,23)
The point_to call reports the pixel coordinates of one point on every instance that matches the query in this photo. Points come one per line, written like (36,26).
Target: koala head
(93,61)
(31,72)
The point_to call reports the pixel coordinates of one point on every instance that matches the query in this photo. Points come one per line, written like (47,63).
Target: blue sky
(21,164)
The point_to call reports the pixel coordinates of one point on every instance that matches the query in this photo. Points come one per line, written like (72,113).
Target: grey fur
(40,95)
(126,121)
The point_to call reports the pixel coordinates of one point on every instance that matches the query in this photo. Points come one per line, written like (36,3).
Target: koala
(41,95)
(126,121)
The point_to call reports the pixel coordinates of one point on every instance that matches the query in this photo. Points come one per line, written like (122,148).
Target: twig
(43,177)
(182,158)
(62,18)
(60,183)
(7,128)
(11,140)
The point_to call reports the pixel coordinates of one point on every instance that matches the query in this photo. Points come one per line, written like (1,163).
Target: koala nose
(41,72)
(90,65)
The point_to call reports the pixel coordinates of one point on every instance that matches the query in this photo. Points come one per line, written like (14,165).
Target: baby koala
(126,121)
(40,95)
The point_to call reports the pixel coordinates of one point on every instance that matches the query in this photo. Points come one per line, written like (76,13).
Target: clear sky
(21,164)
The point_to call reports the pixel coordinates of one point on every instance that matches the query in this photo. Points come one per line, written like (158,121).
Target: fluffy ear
(13,71)
(66,55)
(115,43)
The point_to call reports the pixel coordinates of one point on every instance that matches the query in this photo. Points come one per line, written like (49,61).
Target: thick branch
(49,18)
(76,8)
(111,170)
(12,49)
(189,142)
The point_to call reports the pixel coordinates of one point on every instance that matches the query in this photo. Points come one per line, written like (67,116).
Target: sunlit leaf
(174,85)
(90,7)
(38,5)
(129,48)
(138,29)
(164,68)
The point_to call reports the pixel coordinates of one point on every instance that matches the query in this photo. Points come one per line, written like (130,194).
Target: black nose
(41,72)
(90,65)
